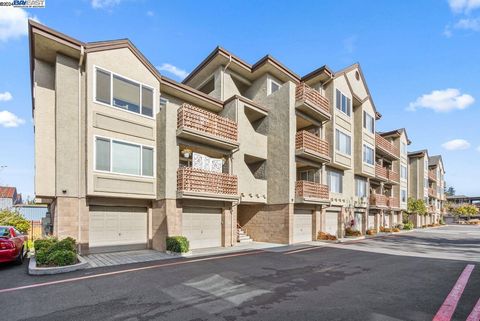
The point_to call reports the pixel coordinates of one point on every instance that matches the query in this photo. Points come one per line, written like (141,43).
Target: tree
(466,210)
(450,191)
(15,219)
(416,206)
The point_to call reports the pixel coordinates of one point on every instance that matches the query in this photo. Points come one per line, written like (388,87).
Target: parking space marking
(475,314)
(303,250)
(448,307)
(86,277)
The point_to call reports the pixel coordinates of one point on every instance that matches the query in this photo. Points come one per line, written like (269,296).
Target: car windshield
(4,232)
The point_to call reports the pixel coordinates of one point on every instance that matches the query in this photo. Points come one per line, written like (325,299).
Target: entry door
(358,221)
(202,226)
(302,226)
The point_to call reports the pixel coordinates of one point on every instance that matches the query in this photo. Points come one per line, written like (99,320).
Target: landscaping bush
(178,244)
(350,232)
(399,226)
(387,230)
(15,219)
(395,229)
(430,225)
(424,226)
(382,229)
(441,221)
(326,236)
(371,231)
(408,225)
(52,252)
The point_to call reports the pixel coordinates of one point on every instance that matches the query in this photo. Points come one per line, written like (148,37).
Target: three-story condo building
(125,156)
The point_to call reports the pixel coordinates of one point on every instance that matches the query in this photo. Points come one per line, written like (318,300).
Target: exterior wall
(111,122)
(44,124)
(363,136)
(403,161)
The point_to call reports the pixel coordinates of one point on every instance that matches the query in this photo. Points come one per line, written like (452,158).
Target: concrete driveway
(334,282)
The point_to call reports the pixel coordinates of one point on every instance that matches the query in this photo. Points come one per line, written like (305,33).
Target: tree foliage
(450,191)
(465,210)
(15,219)
(416,206)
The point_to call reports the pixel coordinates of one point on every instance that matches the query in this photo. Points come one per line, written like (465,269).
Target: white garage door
(202,227)
(118,226)
(302,226)
(371,221)
(358,221)
(331,222)
(386,220)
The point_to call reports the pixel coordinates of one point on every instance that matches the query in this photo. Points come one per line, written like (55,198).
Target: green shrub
(62,258)
(178,244)
(44,243)
(15,219)
(67,244)
(441,221)
(41,255)
(408,225)
(350,232)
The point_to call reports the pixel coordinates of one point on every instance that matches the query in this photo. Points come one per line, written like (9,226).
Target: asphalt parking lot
(400,277)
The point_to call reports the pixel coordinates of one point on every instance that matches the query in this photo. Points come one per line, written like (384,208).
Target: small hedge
(326,236)
(408,226)
(371,231)
(52,252)
(350,232)
(395,229)
(178,244)
(441,221)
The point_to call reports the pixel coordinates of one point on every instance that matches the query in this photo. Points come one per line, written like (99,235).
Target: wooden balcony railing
(311,142)
(314,97)
(378,200)
(311,189)
(393,176)
(381,171)
(386,146)
(197,180)
(189,116)
(431,192)
(432,174)
(393,202)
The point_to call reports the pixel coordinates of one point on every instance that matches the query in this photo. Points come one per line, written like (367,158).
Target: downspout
(223,76)
(80,63)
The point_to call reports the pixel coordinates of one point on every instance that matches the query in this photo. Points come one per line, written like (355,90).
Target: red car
(13,245)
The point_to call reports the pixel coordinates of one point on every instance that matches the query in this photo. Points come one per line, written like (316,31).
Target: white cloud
(442,100)
(478,148)
(468,24)
(6,96)
(13,23)
(7,119)
(456,144)
(105,4)
(180,73)
(465,6)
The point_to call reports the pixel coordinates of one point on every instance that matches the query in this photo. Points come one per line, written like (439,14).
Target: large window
(403,171)
(360,187)
(368,155)
(335,181)
(368,122)
(123,158)
(343,142)
(343,103)
(123,93)
(403,196)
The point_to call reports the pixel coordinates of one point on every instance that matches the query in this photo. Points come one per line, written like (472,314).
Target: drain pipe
(80,64)
(223,76)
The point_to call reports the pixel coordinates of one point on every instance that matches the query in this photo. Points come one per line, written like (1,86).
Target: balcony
(432,175)
(312,102)
(431,192)
(312,147)
(381,172)
(200,184)
(378,200)
(310,192)
(393,202)
(202,126)
(393,177)
(385,148)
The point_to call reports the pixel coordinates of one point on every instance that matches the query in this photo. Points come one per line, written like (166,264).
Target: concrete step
(245,241)
(243,237)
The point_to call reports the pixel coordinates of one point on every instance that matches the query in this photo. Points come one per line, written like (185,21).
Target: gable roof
(418,153)
(397,133)
(7,192)
(356,65)
(435,160)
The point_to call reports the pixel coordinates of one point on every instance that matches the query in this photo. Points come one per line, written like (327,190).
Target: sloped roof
(396,132)
(7,192)
(418,153)
(435,160)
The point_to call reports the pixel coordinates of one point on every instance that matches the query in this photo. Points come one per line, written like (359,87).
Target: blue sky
(420,59)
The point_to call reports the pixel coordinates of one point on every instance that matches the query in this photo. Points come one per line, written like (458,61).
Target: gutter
(80,63)
(223,76)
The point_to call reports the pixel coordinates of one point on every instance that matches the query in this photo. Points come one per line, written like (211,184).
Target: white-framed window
(343,142)
(121,157)
(272,86)
(403,172)
(360,187)
(123,93)
(368,155)
(368,122)
(335,181)
(403,196)
(403,148)
(343,103)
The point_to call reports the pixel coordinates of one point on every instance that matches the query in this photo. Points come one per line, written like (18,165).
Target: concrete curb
(34,270)
(175,254)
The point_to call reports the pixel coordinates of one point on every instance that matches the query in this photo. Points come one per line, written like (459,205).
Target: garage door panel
(302,225)
(202,227)
(331,223)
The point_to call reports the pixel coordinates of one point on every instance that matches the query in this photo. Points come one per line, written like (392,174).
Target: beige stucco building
(125,156)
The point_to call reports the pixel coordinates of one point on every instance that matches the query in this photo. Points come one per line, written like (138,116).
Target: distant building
(463,199)
(9,197)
